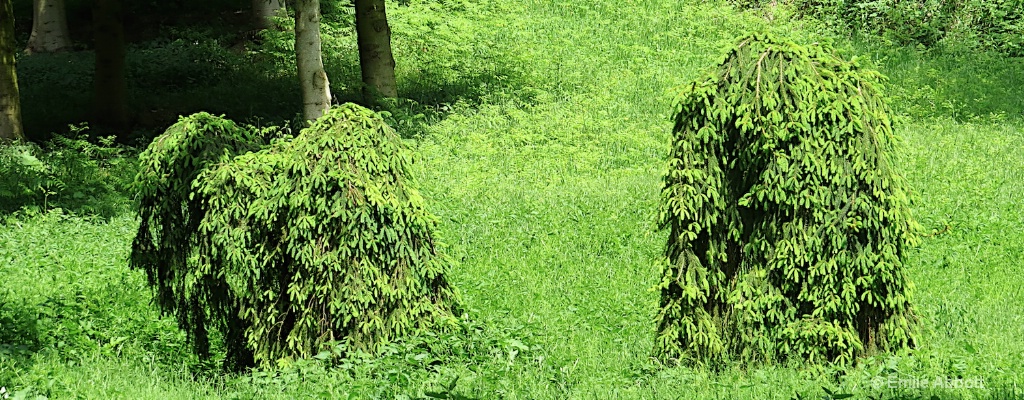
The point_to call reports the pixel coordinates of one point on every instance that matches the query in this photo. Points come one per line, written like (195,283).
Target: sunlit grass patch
(545,182)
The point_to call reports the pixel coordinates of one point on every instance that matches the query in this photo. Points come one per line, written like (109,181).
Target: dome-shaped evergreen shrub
(316,239)
(787,218)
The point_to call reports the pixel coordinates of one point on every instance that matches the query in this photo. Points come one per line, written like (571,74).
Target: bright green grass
(546,192)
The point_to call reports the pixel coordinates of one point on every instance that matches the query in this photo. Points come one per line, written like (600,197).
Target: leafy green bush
(22,176)
(68,172)
(94,178)
(994,24)
(313,240)
(987,24)
(788,220)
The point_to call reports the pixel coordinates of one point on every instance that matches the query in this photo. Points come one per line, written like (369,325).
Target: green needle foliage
(324,238)
(313,240)
(170,215)
(787,219)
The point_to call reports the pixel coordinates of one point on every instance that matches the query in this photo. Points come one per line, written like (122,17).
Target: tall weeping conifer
(312,240)
(787,218)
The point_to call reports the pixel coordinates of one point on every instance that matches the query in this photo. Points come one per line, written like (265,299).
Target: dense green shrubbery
(988,24)
(313,240)
(787,219)
(21,176)
(996,25)
(68,172)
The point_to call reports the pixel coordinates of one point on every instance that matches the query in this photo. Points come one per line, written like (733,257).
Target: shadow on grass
(428,97)
(172,78)
(164,81)
(168,79)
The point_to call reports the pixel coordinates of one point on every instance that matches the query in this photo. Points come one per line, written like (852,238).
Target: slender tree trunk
(49,27)
(316,90)
(10,102)
(375,58)
(262,10)
(110,81)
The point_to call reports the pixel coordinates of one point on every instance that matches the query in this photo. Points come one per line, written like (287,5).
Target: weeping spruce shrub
(309,242)
(787,218)
(170,214)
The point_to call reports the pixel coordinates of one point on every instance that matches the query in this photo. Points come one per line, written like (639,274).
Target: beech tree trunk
(49,27)
(262,10)
(375,59)
(110,82)
(10,102)
(316,90)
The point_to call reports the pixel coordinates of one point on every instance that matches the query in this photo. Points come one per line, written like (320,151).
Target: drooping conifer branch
(787,221)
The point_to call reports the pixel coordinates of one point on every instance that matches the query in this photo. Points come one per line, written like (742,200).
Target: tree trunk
(262,10)
(49,27)
(110,81)
(375,58)
(316,90)
(10,102)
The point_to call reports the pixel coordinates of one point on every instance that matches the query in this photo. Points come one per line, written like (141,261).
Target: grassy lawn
(543,161)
